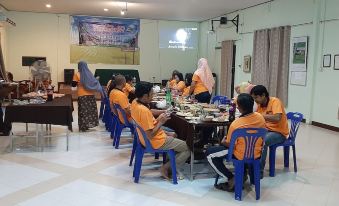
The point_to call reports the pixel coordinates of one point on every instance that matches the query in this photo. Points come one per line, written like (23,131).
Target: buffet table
(57,112)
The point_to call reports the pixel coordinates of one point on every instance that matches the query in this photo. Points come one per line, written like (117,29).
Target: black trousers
(203,97)
(5,128)
(216,156)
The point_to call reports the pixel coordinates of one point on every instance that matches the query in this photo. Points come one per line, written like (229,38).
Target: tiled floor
(93,173)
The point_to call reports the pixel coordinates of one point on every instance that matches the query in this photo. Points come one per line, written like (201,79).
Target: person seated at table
(143,116)
(156,113)
(245,87)
(273,111)
(202,82)
(188,82)
(110,85)
(10,77)
(117,96)
(179,82)
(217,154)
(172,80)
(129,89)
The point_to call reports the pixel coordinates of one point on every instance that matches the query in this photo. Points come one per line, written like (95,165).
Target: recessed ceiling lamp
(48,5)
(124,11)
(105,9)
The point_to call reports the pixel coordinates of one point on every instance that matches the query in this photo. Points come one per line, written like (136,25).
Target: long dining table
(187,131)
(57,112)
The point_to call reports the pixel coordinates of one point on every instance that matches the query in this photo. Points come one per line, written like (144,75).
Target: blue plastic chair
(220,100)
(120,126)
(140,150)
(295,119)
(107,118)
(102,107)
(251,136)
(134,147)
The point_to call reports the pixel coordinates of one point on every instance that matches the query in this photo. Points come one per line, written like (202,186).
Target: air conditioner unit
(4,18)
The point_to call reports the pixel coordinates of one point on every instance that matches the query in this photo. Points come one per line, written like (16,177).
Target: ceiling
(182,10)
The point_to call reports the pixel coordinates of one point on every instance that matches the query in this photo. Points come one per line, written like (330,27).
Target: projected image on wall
(180,38)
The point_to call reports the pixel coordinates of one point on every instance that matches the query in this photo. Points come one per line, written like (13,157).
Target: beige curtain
(2,65)
(271,51)
(226,68)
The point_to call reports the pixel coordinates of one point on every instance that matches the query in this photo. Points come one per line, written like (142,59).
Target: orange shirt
(127,89)
(199,86)
(186,91)
(275,106)
(145,119)
(118,97)
(81,90)
(172,83)
(254,120)
(180,86)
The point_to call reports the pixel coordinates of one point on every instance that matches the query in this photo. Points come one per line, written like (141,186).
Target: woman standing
(202,82)
(87,106)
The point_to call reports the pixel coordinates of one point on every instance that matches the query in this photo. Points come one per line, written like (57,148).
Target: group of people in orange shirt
(270,114)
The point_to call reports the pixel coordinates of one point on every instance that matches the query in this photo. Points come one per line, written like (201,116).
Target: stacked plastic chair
(251,136)
(140,150)
(295,119)
(220,100)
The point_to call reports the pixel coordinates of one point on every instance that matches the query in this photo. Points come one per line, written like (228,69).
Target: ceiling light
(124,11)
(48,5)
(105,9)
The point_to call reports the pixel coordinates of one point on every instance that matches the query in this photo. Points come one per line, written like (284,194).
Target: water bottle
(49,93)
(168,97)
(232,110)
(134,80)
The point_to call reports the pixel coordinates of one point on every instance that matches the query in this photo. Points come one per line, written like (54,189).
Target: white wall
(42,34)
(310,99)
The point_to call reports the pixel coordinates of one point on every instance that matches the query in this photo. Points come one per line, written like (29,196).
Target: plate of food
(191,118)
(211,110)
(185,114)
(207,119)
(220,119)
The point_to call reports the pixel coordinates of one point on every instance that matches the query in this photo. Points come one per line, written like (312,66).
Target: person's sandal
(222,186)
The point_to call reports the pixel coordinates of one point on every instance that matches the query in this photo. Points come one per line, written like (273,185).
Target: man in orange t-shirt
(143,116)
(274,113)
(117,96)
(216,155)
(129,88)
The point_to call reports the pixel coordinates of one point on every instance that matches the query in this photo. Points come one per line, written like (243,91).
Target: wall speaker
(68,76)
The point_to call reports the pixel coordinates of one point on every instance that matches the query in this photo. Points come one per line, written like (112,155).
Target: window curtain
(226,67)
(271,51)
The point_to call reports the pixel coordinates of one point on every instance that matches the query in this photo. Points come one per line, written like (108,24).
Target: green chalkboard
(106,74)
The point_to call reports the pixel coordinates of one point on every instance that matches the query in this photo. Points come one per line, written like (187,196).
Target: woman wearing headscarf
(87,108)
(202,82)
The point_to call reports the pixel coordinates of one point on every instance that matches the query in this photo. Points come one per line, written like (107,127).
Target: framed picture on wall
(336,62)
(299,54)
(247,63)
(327,60)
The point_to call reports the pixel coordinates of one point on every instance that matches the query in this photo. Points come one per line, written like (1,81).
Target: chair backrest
(251,136)
(148,145)
(121,111)
(220,100)
(295,118)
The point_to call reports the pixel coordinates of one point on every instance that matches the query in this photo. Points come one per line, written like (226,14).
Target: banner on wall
(105,40)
